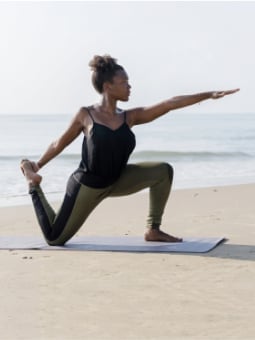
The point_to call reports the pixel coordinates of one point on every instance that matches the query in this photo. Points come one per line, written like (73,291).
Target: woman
(103,170)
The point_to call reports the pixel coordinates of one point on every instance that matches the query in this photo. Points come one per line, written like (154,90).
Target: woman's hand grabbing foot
(28,171)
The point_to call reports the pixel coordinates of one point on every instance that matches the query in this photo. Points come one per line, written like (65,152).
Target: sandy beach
(58,295)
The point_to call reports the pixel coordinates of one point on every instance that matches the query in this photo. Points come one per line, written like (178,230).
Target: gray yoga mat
(114,243)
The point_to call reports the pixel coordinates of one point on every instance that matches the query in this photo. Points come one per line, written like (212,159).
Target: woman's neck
(108,106)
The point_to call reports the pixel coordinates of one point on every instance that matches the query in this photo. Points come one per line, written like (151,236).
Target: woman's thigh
(139,176)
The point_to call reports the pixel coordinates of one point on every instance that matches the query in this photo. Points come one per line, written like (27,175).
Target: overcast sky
(167,48)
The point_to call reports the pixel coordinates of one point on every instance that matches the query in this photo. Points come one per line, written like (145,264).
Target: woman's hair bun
(103,63)
(104,69)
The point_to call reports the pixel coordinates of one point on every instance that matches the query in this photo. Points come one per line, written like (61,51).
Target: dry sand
(96,295)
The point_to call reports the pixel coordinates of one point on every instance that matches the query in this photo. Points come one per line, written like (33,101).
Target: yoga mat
(116,243)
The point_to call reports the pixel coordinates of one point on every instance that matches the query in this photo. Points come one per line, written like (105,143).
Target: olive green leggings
(81,200)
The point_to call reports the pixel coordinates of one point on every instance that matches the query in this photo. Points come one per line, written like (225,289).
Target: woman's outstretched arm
(147,114)
(75,128)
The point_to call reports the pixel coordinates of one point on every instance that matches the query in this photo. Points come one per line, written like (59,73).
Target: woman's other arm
(56,147)
(147,114)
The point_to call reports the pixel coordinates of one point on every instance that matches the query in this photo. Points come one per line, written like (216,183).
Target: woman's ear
(107,86)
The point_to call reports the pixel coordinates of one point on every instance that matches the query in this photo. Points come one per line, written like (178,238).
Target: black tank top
(105,153)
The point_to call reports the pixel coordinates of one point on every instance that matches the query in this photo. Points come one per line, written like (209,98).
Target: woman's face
(119,88)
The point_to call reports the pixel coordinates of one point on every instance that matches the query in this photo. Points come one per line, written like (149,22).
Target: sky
(168,48)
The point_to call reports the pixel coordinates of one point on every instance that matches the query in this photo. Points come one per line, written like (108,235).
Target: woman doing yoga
(103,170)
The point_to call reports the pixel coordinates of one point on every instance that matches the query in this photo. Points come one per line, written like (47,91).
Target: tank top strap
(90,114)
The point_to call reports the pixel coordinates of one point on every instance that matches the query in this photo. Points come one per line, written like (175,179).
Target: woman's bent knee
(170,170)
(56,243)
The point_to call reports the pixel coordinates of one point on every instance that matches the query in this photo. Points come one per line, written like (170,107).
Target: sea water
(204,149)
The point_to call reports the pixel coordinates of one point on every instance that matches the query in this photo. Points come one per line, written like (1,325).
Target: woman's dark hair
(104,69)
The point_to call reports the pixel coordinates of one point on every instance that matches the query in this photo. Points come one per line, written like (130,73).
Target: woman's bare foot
(32,177)
(160,236)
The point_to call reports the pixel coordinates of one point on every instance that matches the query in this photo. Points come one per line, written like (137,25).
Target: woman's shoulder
(86,109)
(82,116)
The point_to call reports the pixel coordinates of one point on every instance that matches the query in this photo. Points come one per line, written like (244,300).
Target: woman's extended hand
(220,94)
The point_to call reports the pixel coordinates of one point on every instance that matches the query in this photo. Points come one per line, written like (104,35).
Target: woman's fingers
(220,94)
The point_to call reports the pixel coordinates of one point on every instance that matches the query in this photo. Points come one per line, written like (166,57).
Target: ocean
(204,149)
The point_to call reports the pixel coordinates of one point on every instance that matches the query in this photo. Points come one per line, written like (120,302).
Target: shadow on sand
(232,252)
